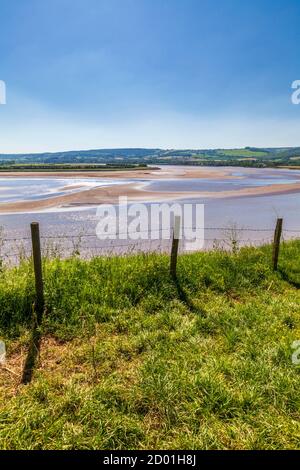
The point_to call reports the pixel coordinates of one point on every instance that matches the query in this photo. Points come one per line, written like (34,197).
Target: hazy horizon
(148,148)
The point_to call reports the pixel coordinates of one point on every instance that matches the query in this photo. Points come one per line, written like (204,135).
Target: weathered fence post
(175,244)
(37,263)
(276,245)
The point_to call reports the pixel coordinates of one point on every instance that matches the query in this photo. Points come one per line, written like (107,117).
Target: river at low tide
(250,219)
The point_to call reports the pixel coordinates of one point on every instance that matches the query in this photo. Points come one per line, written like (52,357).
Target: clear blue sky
(148,73)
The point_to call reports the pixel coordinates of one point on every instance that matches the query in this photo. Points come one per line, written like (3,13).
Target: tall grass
(134,359)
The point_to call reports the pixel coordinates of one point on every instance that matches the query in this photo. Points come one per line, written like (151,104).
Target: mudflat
(136,191)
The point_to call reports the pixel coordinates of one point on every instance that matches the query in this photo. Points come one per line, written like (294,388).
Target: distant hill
(248,156)
(92,156)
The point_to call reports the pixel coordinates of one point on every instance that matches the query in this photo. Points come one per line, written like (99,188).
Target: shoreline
(171,172)
(137,191)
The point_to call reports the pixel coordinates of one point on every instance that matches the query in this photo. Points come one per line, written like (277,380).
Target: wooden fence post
(276,245)
(37,263)
(175,244)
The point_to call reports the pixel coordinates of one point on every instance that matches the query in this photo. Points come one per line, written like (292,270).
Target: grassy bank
(131,359)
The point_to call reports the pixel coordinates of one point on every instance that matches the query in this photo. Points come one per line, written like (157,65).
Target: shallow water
(251,219)
(244,178)
(29,189)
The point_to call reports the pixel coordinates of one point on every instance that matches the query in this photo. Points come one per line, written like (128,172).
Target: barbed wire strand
(94,235)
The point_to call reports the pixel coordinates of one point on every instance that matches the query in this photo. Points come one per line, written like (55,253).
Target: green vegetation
(246,157)
(68,167)
(243,153)
(132,359)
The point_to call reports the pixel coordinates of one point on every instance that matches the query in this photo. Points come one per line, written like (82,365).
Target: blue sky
(148,73)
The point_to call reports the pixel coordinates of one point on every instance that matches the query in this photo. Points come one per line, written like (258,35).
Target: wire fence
(88,245)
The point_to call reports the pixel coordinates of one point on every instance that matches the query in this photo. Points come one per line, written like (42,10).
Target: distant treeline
(12,166)
(130,157)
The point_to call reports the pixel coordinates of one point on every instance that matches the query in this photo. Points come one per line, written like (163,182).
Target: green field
(242,153)
(131,359)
